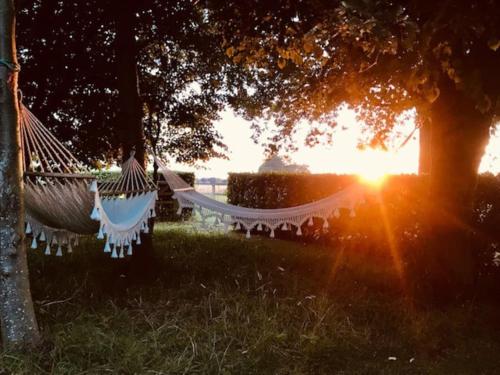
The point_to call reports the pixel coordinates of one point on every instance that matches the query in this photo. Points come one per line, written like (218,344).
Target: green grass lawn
(224,304)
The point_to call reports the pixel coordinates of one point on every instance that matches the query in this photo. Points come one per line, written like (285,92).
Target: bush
(390,218)
(279,190)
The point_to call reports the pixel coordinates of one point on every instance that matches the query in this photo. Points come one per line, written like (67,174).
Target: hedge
(395,211)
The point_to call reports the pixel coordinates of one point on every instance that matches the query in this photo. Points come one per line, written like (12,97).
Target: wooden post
(17,317)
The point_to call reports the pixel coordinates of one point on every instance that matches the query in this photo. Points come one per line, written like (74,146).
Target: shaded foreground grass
(224,304)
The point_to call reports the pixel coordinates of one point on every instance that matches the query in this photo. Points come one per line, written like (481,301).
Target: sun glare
(375,166)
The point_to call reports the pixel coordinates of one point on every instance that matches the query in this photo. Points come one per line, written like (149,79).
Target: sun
(374,167)
(373,178)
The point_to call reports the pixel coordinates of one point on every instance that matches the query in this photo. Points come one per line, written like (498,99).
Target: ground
(224,304)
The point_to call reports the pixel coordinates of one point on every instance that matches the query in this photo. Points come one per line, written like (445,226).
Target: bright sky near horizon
(342,156)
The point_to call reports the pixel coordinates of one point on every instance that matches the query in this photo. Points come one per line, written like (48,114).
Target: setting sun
(374,167)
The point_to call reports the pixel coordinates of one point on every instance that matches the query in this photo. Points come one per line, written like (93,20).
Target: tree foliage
(383,58)
(68,53)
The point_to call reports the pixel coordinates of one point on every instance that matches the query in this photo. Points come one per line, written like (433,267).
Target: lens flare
(374,168)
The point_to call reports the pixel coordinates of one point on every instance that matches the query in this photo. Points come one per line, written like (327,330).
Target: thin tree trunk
(459,136)
(131,127)
(17,317)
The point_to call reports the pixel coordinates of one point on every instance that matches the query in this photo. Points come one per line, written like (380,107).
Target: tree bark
(459,135)
(131,127)
(424,161)
(130,108)
(17,317)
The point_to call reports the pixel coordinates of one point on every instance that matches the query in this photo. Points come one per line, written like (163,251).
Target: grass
(219,304)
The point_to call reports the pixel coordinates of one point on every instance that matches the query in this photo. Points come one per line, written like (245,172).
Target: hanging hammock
(63,199)
(58,201)
(250,218)
(123,208)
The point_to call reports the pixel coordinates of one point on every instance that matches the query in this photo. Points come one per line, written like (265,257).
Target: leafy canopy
(68,53)
(381,57)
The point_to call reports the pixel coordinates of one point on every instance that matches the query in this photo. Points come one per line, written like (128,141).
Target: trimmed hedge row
(276,190)
(394,215)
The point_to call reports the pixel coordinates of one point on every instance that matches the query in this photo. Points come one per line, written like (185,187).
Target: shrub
(279,190)
(392,217)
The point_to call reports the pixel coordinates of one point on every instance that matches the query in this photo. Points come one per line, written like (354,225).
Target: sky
(342,156)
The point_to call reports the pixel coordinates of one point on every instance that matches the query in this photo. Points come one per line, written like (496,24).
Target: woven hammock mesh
(57,191)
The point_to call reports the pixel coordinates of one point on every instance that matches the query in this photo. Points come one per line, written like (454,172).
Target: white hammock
(124,207)
(63,200)
(250,218)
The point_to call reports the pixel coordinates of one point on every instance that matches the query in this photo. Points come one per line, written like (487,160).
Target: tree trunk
(131,127)
(459,135)
(17,317)
(424,161)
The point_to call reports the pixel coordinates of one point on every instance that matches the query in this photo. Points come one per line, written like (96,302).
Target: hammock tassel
(153,212)
(95,214)
(138,242)
(70,247)
(47,249)
(28,228)
(59,251)
(43,238)
(107,248)
(325,224)
(238,226)
(121,253)
(284,227)
(114,255)
(248,233)
(129,249)
(272,233)
(311,222)
(299,231)
(179,210)
(336,213)
(259,227)
(100,235)
(93,187)
(34,244)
